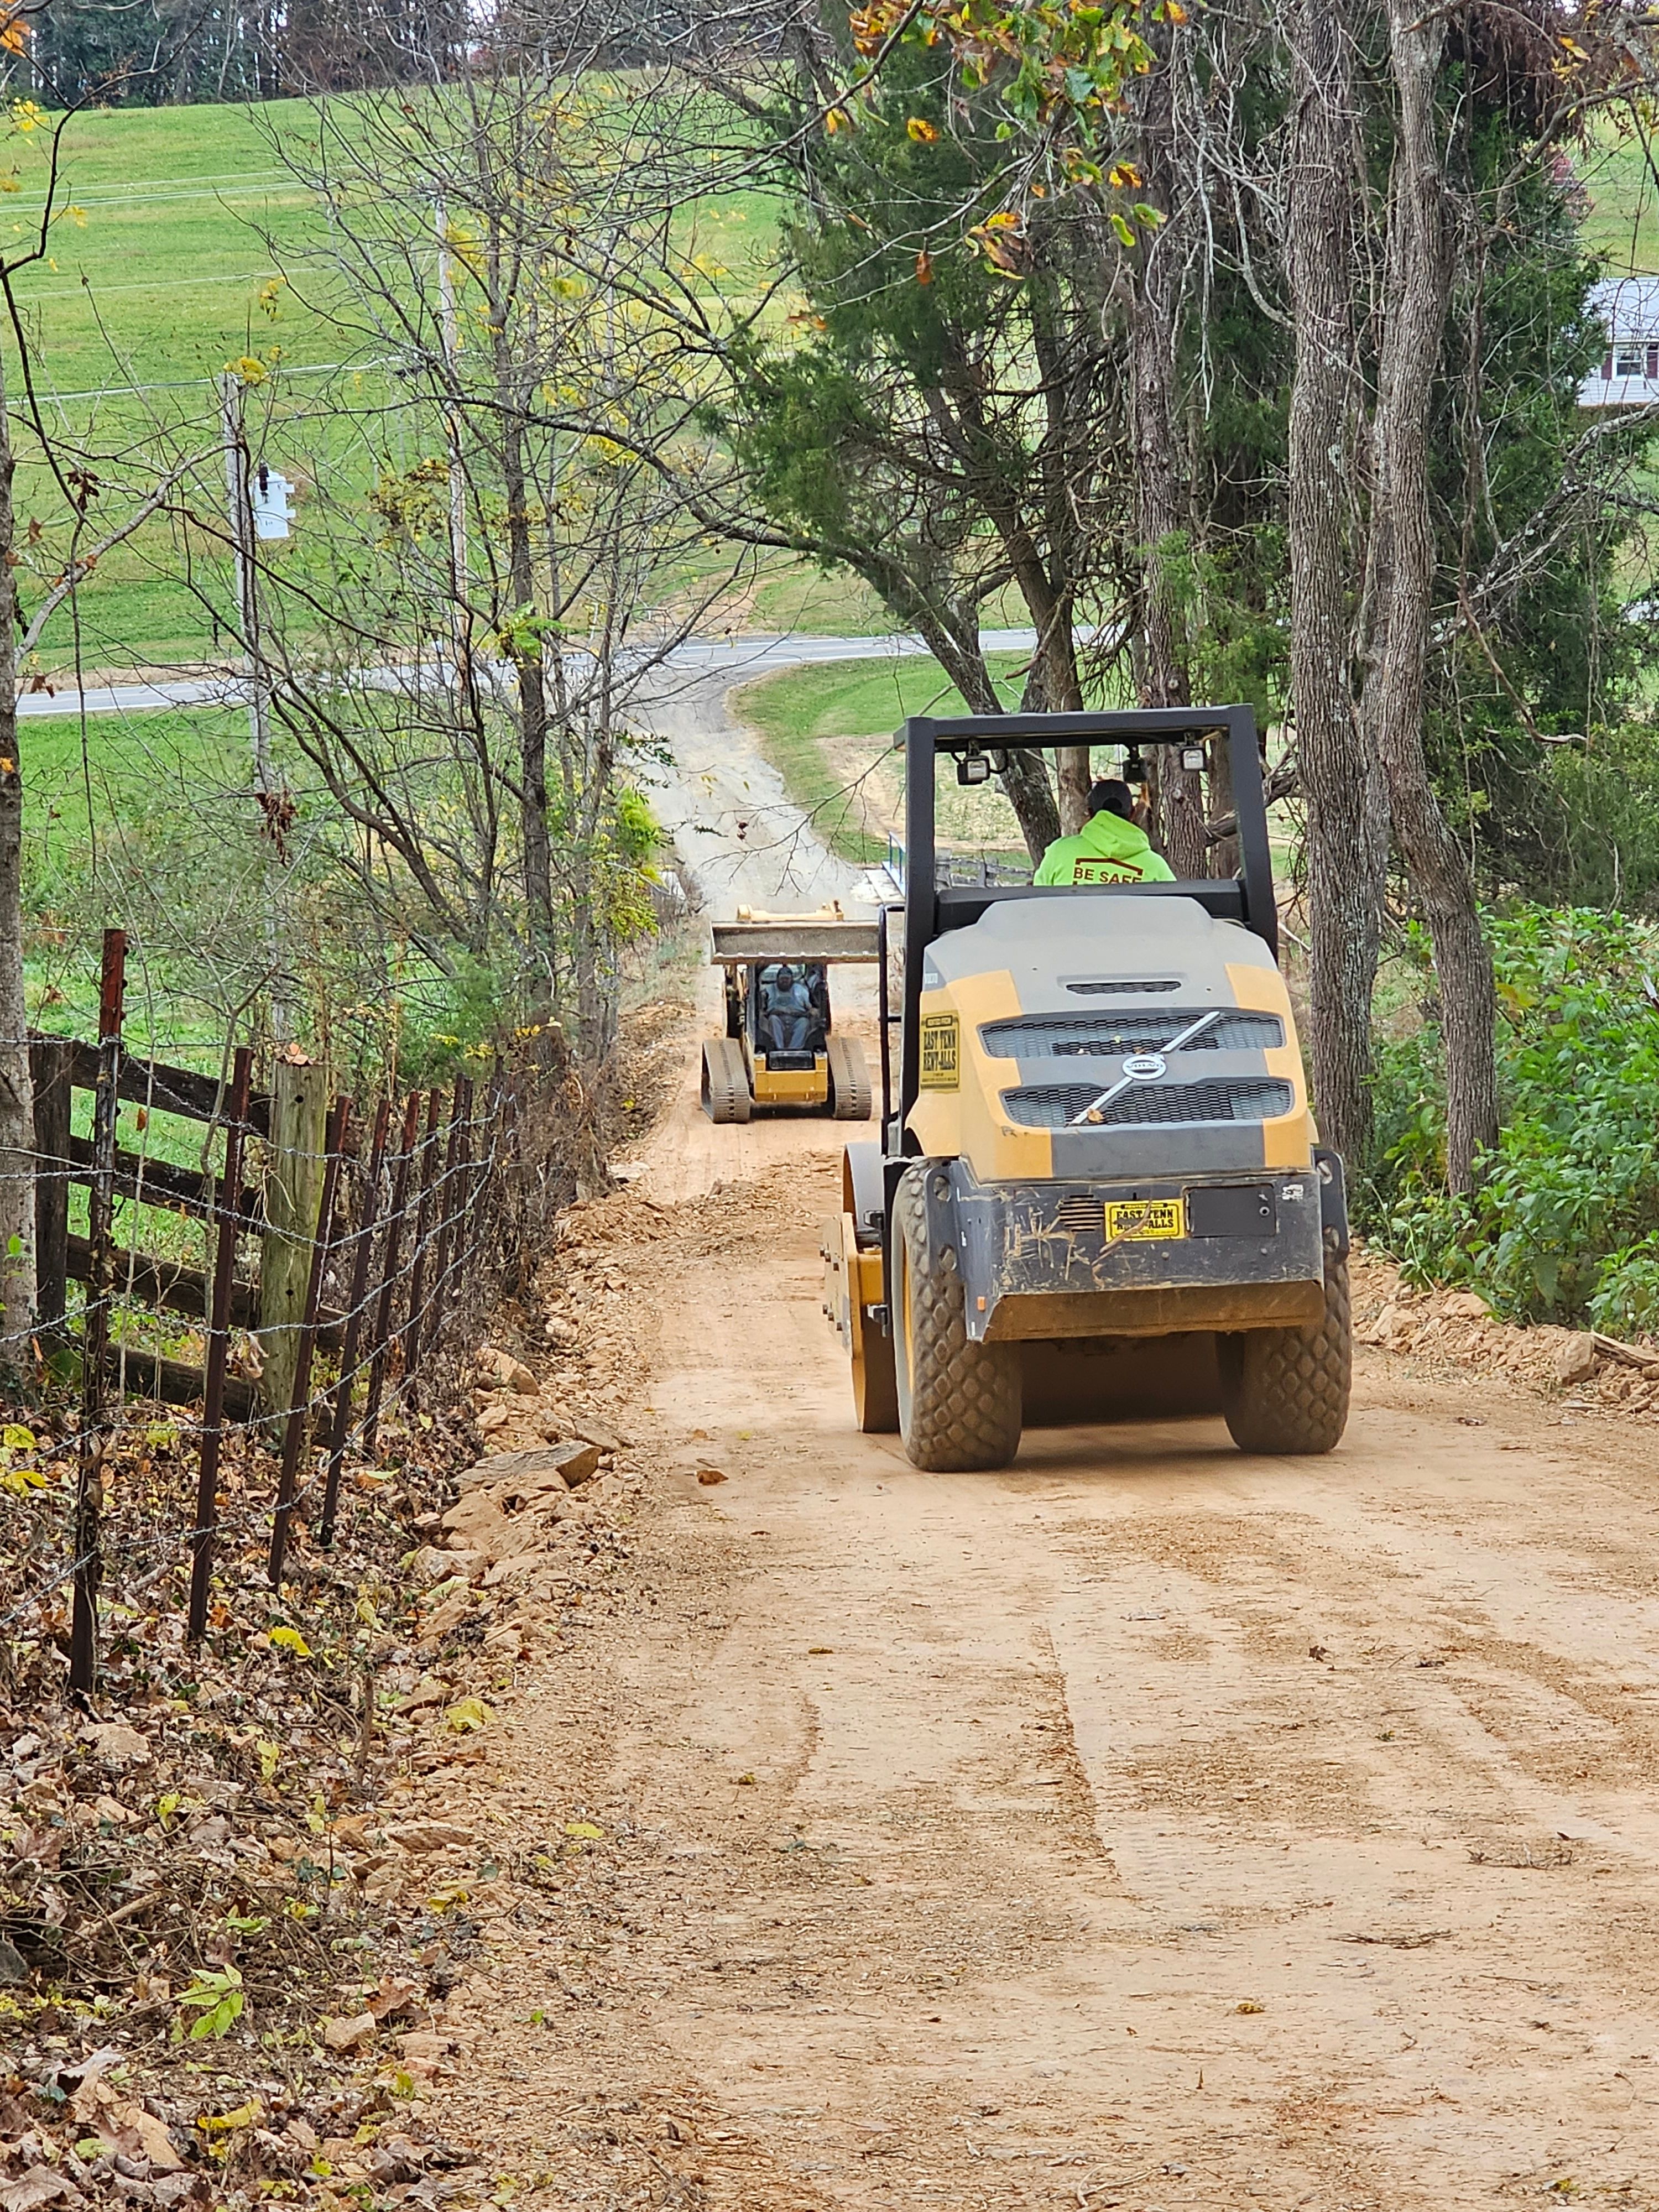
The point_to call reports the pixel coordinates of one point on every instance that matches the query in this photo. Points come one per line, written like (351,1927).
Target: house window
(1630,360)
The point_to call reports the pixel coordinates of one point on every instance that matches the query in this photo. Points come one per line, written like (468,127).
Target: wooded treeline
(1257,375)
(154,52)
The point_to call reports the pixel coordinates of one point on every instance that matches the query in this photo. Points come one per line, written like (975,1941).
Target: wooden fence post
(87,1565)
(218,1343)
(357,1298)
(389,1249)
(415,1325)
(52,1061)
(452,1206)
(334,1144)
(294,1168)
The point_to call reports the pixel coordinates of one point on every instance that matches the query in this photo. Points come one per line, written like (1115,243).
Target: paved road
(740,838)
(734,658)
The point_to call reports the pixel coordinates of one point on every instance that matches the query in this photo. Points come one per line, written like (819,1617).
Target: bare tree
(509,599)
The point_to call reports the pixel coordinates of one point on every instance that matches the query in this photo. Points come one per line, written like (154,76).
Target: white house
(1629,373)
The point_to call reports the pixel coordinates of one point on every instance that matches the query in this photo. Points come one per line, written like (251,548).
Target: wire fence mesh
(417,1214)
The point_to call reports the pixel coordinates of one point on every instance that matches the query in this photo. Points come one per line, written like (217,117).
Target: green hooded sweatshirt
(1106,850)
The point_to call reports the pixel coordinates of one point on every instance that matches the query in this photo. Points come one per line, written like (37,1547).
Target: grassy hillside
(159,273)
(1622,217)
(827,732)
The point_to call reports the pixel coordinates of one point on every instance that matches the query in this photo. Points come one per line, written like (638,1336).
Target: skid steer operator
(1111,848)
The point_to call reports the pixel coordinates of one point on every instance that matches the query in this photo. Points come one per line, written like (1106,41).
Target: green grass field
(158,274)
(827,732)
(1622,218)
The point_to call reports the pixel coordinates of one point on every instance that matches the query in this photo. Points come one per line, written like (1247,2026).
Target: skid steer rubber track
(1286,1390)
(959,1402)
(725,1095)
(849,1080)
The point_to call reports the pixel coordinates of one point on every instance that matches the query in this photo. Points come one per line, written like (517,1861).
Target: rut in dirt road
(1146,1824)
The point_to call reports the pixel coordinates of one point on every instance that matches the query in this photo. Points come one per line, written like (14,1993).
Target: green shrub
(1565,1226)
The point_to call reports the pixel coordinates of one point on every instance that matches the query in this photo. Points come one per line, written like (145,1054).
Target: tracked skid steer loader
(779,1049)
(1098,1191)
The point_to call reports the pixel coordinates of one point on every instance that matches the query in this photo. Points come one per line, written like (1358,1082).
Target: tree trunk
(1160,512)
(1347,846)
(527,656)
(1418,278)
(1052,687)
(16,1092)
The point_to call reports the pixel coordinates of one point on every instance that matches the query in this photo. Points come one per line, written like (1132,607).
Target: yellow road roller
(1097,1191)
(779,1049)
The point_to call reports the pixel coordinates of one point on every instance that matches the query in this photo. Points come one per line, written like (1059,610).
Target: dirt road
(1146,1825)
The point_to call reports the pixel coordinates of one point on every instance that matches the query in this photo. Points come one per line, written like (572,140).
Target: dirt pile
(1456,1330)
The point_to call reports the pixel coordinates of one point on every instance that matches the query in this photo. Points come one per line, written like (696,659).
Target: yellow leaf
(583,1831)
(838,119)
(468,1713)
(15,1436)
(922,130)
(290,1639)
(1125,177)
(222,2123)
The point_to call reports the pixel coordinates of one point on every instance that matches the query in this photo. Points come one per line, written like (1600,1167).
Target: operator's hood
(1055,948)
(1106,1035)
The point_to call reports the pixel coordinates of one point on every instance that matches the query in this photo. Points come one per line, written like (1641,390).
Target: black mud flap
(1332,1201)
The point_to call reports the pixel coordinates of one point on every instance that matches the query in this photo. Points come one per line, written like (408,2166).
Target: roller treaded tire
(725,1081)
(1286,1390)
(959,1402)
(849,1080)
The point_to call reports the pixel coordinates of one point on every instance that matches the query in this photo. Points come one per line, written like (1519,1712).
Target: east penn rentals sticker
(941,1052)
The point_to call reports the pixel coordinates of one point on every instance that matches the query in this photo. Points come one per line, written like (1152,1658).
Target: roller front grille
(1043,1037)
(1148,1105)
(1122,987)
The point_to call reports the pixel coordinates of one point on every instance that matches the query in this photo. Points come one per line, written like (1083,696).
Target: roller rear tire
(725,1095)
(849,1080)
(1285,1390)
(959,1402)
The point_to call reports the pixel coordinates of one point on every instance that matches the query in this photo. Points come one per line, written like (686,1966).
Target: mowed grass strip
(798,712)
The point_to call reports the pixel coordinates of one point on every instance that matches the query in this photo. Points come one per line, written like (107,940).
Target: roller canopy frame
(928,911)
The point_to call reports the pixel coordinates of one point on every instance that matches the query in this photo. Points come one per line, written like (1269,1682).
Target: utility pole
(449,328)
(240,509)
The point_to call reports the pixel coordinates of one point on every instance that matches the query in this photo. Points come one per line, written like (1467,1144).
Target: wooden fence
(369,1225)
